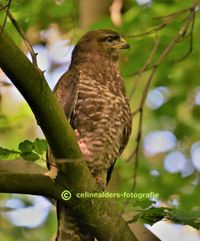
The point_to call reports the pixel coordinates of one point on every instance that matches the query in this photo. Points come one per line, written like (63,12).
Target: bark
(100,215)
(21,166)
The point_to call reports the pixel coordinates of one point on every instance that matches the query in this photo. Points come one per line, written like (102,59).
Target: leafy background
(169,160)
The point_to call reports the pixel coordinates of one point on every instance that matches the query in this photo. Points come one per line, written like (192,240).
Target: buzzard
(94,100)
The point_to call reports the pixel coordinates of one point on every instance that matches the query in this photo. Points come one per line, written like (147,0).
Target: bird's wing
(124,142)
(66,92)
(125,137)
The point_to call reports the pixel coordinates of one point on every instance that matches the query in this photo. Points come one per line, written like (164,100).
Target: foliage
(178,113)
(30,151)
(153,215)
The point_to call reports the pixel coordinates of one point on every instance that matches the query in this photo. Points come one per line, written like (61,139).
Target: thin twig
(167,19)
(26,41)
(145,70)
(19,30)
(165,52)
(166,22)
(175,13)
(6,7)
(146,65)
(140,109)
(151,31)
(191,33)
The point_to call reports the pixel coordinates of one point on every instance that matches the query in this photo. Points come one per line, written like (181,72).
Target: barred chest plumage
(101,116)
(93,98)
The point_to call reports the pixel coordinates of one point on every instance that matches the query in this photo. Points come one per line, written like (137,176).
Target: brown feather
(93,97)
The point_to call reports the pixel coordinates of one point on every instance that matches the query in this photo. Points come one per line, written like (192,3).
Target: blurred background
(169,157)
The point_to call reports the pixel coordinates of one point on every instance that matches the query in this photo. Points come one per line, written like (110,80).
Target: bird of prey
(93,97)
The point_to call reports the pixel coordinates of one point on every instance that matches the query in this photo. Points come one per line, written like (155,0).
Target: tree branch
(6,16)
(187,27)
(99,214)
(19,30)
(21,166)
(36,184)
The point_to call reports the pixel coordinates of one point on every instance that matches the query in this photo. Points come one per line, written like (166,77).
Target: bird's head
(102,42)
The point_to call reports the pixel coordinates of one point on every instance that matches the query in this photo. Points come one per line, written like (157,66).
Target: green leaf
(6,154)
(26,146)
(40,146)
(153,215)
(30,156)
(143,203)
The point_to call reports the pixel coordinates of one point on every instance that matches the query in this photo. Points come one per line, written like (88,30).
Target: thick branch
(36,184)
(21,166)
(32,85)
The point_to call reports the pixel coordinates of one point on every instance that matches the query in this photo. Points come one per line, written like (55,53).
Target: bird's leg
(101,180)
(84,150)
(83,146)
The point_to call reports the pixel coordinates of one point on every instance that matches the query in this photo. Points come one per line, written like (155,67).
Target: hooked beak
(123,44)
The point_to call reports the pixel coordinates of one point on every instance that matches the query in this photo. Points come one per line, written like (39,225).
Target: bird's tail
(70,227)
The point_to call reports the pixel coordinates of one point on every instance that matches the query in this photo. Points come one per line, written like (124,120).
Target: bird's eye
(109,39)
